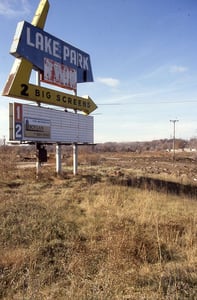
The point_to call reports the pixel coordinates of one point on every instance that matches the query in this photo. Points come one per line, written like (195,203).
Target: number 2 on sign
(24,90)
(18,131)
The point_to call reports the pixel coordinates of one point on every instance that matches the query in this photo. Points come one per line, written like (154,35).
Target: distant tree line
(155,145)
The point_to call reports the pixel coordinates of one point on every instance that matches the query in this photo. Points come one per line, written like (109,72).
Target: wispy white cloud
(164,70)
(111,82)
(14,8)
(155,72)
(178,69)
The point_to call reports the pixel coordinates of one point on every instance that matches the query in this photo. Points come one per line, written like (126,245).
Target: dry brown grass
(81,237)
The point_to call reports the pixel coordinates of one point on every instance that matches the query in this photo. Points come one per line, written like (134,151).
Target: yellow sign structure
(18,85)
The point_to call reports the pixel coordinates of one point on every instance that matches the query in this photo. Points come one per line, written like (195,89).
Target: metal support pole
(58,159)
(75,151)
(38,82)
(38,166)
(75,158)
(38,163)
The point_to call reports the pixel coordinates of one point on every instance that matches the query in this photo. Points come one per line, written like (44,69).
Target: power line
(156,102)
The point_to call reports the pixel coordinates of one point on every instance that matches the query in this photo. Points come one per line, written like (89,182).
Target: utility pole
(174,122)
(4,140)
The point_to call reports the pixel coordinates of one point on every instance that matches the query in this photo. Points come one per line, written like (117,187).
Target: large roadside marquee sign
(58,62)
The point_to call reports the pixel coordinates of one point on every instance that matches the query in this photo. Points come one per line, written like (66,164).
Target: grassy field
(86,237)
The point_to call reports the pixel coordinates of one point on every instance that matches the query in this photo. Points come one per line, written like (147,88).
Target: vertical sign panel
(18,116)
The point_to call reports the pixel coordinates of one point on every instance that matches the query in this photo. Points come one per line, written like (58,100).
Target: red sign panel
(58,74)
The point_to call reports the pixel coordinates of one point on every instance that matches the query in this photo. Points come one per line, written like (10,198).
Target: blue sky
(143,56)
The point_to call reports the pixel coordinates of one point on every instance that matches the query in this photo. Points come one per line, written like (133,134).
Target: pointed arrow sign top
(18,85)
